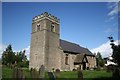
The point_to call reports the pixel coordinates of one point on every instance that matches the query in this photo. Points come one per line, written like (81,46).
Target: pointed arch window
(38,27)
(66,59)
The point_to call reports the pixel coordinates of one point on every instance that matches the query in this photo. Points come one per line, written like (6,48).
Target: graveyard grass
(7,73)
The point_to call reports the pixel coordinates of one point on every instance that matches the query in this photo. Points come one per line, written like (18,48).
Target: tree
(100,61)
(116,51)
(21,59)
(8,56)
(116,58)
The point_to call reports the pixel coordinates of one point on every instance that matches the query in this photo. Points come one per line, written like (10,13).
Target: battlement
(46,15)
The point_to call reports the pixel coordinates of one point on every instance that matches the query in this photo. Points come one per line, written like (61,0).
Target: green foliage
(99,59)
(21,59)
(8,56)
(17,58)
(116,54)
(6,72)
(116,51)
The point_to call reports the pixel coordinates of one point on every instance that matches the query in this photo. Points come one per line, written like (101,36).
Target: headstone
(51,76)
(116,73)
(20,74)
(42,71)
(31,72)
(35,73)
(80,74)
(15,72)
(57,73)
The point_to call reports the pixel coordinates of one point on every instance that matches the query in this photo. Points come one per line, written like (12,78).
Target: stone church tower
(44,47)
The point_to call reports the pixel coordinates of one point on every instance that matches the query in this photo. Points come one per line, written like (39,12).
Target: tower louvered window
(38,27)
(52,28)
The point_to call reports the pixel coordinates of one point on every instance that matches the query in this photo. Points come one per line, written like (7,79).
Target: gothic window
(66,59)
(38,27)
(52,28)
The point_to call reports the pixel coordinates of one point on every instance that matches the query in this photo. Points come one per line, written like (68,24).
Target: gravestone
(116,73)
(42,71)
(20,74)
(35,73)
(31,72)
(51,76)
(80,74)
(15,73)
(57,73)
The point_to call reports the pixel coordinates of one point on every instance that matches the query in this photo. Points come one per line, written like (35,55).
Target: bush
(87,68)
(98,69)
(109,68)
(57,70)
(116,73)
(74,70)
(22,64)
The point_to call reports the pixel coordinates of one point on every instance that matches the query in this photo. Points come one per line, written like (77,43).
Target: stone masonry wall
(70,66)
(91,61)
(52,42)
(37,46)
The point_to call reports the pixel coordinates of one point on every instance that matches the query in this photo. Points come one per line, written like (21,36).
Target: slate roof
(73,48)
(79,58)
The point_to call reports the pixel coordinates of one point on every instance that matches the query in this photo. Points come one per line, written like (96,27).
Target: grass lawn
(7,73)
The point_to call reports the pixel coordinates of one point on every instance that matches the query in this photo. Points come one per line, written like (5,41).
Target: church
(46,47)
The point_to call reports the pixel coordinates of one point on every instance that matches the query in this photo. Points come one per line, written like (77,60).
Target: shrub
(74,70)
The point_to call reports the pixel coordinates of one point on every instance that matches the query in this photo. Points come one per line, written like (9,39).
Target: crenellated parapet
(47,16)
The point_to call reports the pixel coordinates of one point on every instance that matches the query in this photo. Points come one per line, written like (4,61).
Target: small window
(36,57)
(66,59)
(38,27)
(52,28)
